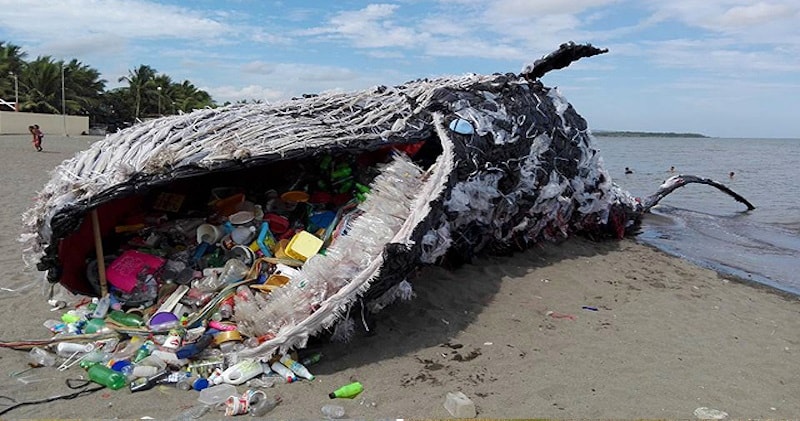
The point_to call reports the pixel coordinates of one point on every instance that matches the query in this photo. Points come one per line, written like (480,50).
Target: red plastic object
(123,271)
(277,224)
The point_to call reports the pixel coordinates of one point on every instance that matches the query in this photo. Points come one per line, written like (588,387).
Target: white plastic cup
(208,233)
(243,234)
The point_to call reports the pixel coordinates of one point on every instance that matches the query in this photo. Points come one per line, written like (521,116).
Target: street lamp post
(158,88)
(63,102)
(16,90)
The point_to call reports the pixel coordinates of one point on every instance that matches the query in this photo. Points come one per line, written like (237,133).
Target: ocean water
(706,226)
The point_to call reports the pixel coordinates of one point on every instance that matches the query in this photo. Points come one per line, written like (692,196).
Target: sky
(724,68)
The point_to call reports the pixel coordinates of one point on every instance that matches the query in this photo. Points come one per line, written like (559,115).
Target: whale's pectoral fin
(672,183)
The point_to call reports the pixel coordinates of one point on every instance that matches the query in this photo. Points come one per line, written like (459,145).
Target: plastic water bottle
(234,271)
(283,371)
(41,357)
(144,350)
(102,307)
(311,359)
(333,411)
(296,367)
(261,404)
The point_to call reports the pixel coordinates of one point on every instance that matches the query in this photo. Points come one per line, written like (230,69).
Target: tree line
(38,84)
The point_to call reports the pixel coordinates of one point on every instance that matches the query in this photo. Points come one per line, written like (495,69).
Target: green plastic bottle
(109,378)
(126,319)
(349,391)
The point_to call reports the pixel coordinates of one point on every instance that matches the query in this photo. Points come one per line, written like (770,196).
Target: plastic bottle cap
(200,384)
(119,365)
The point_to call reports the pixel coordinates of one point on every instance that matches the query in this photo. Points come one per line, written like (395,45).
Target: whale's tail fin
(559,59)
(674,182)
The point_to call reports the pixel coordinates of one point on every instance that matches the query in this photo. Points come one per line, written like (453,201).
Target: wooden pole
(98,249)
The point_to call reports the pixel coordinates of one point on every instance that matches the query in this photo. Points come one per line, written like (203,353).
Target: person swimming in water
(628,170)
(672,169)
(731,174)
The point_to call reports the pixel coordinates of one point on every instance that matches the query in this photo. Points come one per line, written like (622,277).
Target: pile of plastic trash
(179,282)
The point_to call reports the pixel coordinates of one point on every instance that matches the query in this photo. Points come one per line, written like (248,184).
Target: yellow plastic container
(303,245)
(280,253)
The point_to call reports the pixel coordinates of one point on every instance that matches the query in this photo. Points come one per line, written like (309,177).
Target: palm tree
(139,81)
(11,64)
(187,97)
(41,82)
(42,79)
(83,88)
(160,95)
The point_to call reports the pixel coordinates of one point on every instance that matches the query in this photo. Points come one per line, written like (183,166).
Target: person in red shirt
(37,137)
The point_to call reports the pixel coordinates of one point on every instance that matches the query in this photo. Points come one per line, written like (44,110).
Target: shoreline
(751,283)
(576,329)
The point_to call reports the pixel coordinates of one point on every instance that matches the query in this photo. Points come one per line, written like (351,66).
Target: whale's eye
(461,126)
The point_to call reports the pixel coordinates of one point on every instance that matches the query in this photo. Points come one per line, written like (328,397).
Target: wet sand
(571,330)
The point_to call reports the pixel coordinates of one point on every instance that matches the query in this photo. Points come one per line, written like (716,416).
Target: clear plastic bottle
(226,309)
(98,356)
(55,326)
(261,404)
(296,367)
(233,271)
(102,307)
(41,357)
(333,412)
(283,371)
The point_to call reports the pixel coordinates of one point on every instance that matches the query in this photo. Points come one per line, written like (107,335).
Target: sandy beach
(571,330)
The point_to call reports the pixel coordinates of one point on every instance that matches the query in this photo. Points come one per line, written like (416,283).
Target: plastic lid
(241,217)
(163,319)
(295,196)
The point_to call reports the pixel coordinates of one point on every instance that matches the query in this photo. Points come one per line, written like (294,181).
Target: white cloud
(756,14)
(370,27)
(515,9)
(122,18)
(228,93)
(718,55)
(779,17)
(258,67)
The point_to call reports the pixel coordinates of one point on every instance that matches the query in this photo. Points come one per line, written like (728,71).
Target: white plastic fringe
(402,291)
(344,330)
(212,136)
(399,200)
(323,276)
